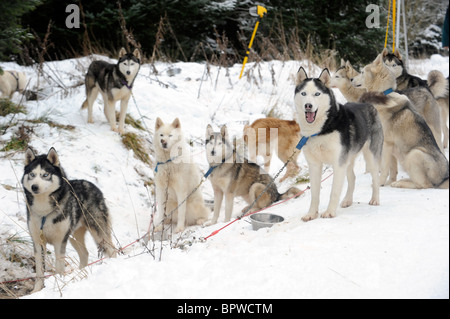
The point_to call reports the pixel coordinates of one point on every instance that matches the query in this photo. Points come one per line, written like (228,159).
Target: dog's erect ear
(29,156)
(209,131)
(384,52)
(398,55)
(158,123)
(301,76)
(137,54)
(325,77)
(224,132)
(122,52)
(377,64)
(53,157)
(176,123)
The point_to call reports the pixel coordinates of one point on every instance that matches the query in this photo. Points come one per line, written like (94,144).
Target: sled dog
(114,82)
(341,79)
(407,136)
(12,81)
(264,135)
(233,176)
(424,94)
(436,82)
(59,210)
(176,177)
(336,135)
(404,80)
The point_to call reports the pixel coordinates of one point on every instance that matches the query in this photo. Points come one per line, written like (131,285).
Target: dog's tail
(437,83)
(291,192)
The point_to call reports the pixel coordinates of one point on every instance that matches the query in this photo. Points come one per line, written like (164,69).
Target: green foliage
(9,107)
(19,142)
(12,34)
(336,25)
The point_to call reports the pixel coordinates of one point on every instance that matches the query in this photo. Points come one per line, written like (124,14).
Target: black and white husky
(59,210)
(335,134)
(114,82)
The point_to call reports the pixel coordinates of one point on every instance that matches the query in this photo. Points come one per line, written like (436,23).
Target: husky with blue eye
(335,134)
(114,82)
(59,210)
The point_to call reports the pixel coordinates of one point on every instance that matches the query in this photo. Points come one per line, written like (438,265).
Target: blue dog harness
(388,91)
(162,163)
(303,141)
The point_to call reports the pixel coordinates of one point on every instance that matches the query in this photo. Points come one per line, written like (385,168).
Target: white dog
(12,81)
(176,177)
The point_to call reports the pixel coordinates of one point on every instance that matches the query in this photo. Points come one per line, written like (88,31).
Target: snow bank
(399,249)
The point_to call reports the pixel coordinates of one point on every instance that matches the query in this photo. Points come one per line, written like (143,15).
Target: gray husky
(59,210)
(408,138)
(114,82)
(232,175)
(429,97)
(335,135)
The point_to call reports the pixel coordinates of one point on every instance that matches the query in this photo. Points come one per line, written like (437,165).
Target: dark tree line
(190,30)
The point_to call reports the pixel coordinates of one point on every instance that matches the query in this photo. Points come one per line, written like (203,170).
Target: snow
(399,249)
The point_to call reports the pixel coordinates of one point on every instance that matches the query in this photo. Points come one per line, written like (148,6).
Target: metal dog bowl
(261,220)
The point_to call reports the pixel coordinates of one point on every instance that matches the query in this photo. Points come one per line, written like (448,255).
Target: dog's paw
(200,221)
(179,229)
(210,222)
(374,202)
(328,214)
(310,216)
(346,203)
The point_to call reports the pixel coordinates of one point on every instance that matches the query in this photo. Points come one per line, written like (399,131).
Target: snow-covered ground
(399,249)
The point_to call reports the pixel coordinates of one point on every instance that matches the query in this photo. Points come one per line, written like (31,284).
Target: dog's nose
(128,72)
(34,188)
(308,106)
(164,143)
(213,152)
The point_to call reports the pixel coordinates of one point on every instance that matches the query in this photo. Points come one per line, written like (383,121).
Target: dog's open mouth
(310,116)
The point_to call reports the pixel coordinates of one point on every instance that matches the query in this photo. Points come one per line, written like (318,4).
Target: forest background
(215,31)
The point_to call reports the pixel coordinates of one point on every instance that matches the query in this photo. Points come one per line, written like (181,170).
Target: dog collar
(43,222)
(124,82)
(211,168)
(303,141)
(162,163)
(388,91)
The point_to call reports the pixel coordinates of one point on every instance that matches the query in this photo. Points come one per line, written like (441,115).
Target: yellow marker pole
(393,26)
(387,26)
(260,11)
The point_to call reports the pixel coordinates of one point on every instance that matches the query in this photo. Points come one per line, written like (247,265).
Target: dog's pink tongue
(310,116)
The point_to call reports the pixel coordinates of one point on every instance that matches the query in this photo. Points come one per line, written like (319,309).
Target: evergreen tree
(12,34)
